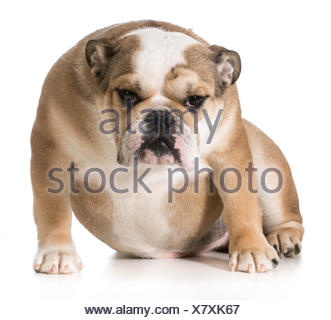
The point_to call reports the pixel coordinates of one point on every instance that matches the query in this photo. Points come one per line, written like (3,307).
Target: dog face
(159,83)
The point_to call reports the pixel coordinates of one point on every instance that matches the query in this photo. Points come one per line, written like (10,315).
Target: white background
(284,89)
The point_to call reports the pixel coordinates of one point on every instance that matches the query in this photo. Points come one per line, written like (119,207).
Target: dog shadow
(215,260)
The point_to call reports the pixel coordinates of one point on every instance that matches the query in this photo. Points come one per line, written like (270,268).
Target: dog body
(127,103)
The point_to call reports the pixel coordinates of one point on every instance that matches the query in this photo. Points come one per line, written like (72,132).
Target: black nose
(160,123)
(160,147)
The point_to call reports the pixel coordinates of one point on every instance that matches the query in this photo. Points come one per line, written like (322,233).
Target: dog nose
(159,147)
(160,122)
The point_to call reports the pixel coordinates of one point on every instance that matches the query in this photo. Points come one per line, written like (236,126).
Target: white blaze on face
(160,51)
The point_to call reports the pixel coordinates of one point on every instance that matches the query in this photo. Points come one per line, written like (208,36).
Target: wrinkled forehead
(159,52)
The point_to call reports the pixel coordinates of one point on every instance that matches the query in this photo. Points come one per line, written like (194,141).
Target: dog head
(158,83)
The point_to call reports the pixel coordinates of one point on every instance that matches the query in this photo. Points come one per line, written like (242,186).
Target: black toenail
(288,253)
(277,249)
(274,262)
(297,249)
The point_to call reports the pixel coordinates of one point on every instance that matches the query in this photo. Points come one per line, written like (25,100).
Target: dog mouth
(159,150)
(160,138)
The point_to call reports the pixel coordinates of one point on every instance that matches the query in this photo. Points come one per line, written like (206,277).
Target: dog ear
(98,53)
(228,65)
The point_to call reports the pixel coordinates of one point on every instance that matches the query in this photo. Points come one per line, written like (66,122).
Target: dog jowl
(173,99)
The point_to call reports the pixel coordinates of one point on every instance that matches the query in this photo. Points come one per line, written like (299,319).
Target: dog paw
(286,241)
(254,260)
(53,260)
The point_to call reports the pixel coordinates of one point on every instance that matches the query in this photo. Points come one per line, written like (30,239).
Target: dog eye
(128,98)
(194,102)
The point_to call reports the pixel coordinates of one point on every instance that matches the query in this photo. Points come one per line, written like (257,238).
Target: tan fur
(67,130)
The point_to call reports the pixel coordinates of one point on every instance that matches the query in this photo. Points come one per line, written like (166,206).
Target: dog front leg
(248,247)
(52,212)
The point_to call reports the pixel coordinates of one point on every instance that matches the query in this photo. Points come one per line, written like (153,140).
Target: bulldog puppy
(139,133)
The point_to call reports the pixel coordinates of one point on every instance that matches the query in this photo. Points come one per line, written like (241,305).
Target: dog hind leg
(282,221)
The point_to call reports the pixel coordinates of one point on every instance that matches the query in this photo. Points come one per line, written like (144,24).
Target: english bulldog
(139,133)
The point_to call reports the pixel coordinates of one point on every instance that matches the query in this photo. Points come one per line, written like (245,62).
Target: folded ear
(98,53)
(228,65)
